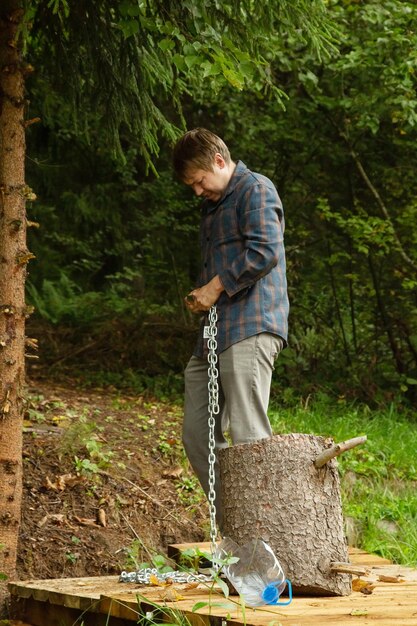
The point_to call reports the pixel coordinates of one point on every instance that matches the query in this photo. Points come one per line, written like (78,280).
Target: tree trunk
(387,321)
(271,490)
(13,259)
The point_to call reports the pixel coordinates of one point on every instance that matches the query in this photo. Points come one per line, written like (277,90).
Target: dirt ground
(106,484)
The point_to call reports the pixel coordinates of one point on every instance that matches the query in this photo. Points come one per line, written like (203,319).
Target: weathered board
(103,601)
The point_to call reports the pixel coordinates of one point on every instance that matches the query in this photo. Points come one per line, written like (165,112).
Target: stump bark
(272,490)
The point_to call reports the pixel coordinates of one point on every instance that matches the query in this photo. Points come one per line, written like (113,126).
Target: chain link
(213,408)
(143,577)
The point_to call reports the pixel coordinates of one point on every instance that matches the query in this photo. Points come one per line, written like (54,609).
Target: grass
(379,478)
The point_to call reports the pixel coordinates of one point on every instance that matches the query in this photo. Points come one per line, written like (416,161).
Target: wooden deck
(103,601)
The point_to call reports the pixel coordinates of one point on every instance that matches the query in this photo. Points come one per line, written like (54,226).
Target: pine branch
(122,62)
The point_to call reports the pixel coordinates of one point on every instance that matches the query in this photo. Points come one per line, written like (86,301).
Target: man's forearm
(206,296)
(216,285)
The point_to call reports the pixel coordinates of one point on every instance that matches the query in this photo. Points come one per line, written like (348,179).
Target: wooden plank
(176,549)
(387,610)
(131,606)
(45,614)
(76,593)
(360,557)
(108,602)
(389,604)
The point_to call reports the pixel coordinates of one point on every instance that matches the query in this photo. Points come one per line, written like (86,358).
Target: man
(243,273)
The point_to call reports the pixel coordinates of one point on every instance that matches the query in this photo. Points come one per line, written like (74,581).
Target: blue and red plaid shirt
(242,240)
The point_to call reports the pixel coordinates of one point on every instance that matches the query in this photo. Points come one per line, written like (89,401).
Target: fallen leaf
(58,518)
(157,582)
(48,484)
(154,580)
(189,586)
(170,595)
(63,481)
(125,501)
(60,483)
(363,586)
(391,579)
(173,473)
(86,521)
(101,517)
(70,480)
(359,612)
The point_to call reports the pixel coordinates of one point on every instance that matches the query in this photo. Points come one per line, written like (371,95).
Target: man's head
(202,160)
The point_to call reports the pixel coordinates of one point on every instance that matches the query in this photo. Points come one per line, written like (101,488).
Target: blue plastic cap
(270,594)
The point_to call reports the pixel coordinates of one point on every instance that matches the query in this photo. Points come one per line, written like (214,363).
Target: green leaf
(246,68)
(199,605)
(148,24)
(221,605)
(210,69)
(189,552)
(309,77)
(179,62)
(124,7)
(192,60)
(129,27)
(223,587)
(129,7)
(166,44)
(233,78)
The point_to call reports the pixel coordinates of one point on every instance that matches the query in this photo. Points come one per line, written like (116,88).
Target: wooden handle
(338,448)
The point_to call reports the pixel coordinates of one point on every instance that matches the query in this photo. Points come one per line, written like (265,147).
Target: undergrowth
(378,479)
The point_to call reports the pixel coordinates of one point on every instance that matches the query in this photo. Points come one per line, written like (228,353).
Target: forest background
(318,95)
(117,246)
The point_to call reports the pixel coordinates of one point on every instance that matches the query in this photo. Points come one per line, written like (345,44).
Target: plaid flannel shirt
(242,240)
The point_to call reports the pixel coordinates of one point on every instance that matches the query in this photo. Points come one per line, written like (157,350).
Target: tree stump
(272,490)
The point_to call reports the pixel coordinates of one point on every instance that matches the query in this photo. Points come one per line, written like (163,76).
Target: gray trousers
(245,372)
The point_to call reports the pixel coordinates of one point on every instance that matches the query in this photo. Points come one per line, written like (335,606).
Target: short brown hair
(197,149)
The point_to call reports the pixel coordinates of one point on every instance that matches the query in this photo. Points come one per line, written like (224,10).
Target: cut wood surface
(391,603)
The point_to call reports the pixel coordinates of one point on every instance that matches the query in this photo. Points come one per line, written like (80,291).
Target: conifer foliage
(126,60)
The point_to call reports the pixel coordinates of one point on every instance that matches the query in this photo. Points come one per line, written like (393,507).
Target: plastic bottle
(257,575)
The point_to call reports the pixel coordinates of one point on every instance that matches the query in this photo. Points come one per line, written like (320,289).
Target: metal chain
(143,577)
(213,408)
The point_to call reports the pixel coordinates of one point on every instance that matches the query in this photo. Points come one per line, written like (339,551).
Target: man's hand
(204,297)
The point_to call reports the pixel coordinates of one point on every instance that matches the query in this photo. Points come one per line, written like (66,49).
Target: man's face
(209,184)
